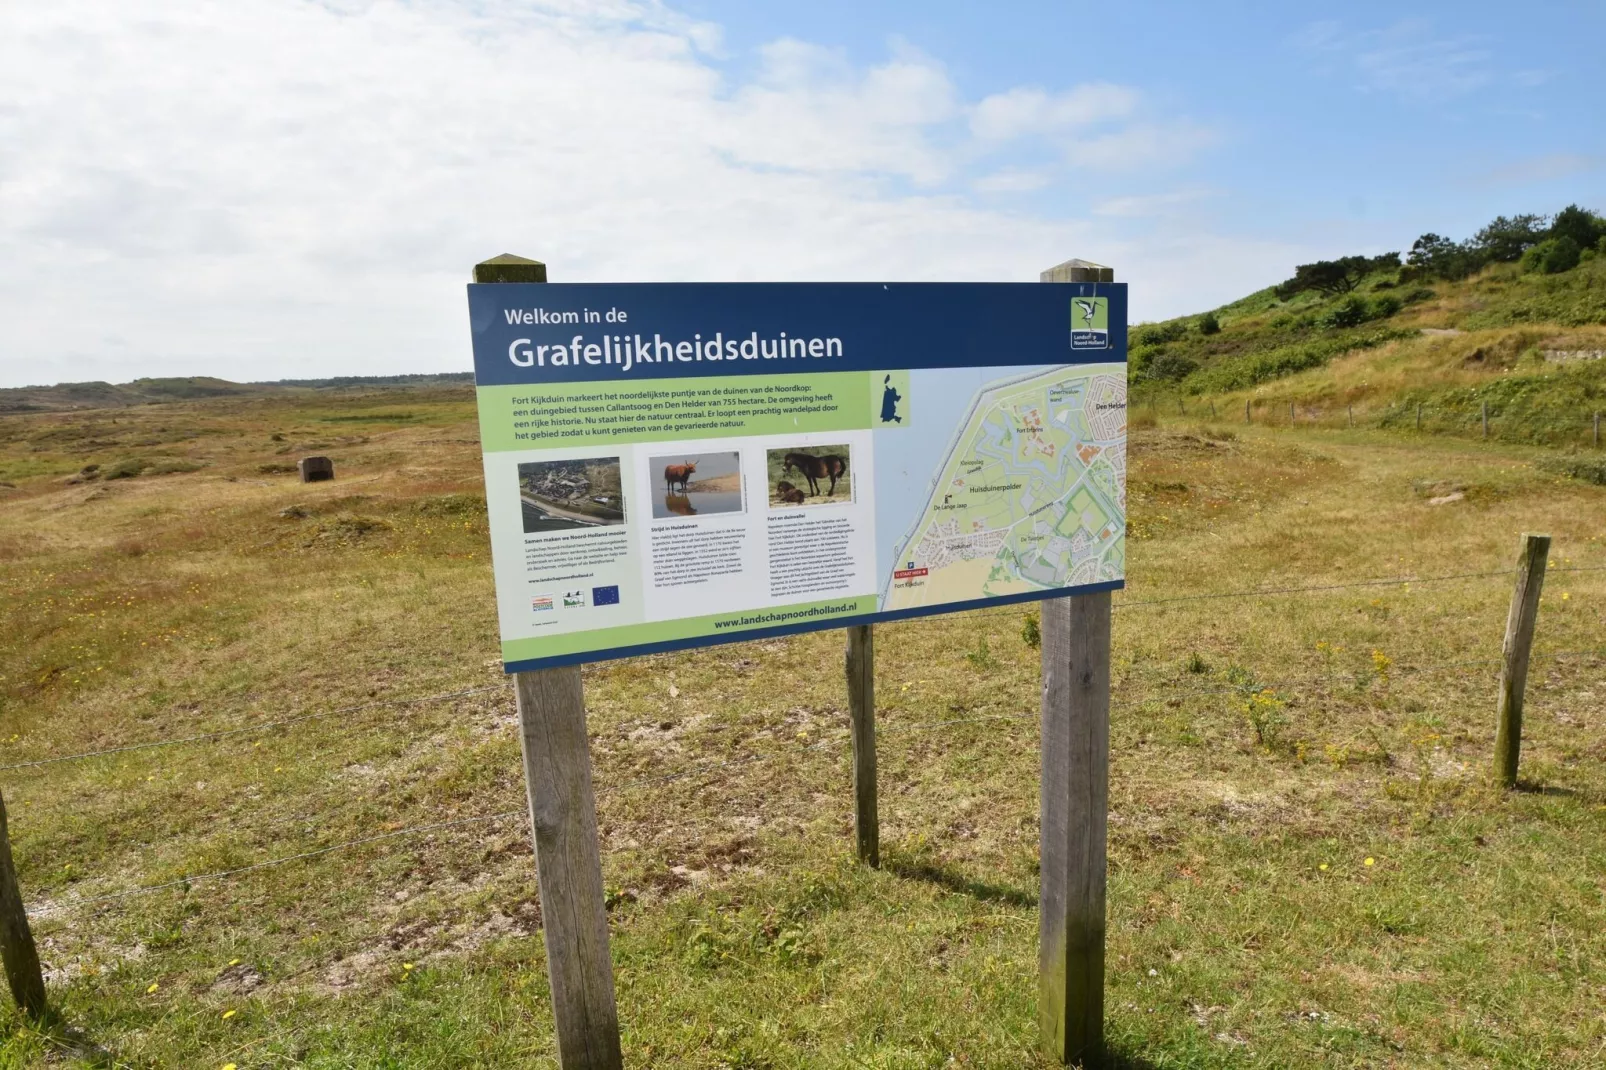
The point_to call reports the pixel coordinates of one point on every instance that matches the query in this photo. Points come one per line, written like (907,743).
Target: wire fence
(697,770)
(938,620)
(1120,688)
(1469,415)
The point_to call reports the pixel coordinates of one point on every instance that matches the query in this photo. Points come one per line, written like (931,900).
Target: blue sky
(295,188)
(1379,120)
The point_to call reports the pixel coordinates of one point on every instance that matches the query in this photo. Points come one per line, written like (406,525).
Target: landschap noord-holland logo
(1090,323)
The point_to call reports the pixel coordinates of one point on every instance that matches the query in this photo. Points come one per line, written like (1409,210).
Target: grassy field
(1308,867)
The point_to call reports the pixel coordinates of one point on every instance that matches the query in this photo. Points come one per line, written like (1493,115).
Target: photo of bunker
(559,495)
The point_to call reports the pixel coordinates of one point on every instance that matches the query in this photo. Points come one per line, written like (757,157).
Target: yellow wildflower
(1369,862)
(154,986)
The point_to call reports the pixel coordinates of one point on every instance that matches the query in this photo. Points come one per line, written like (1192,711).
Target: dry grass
(1255,742)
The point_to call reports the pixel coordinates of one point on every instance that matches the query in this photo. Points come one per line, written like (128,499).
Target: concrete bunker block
(315,469)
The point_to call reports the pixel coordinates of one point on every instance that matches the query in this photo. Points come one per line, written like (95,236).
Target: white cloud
(810,111)
(1141,145)
(1406,59)
(1029,110)
(1012,180)
(1151,204)
(288,188)
(1547,168)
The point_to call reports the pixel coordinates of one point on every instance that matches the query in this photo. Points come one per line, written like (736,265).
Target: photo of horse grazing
(678,473)
(830,466)
(788,493)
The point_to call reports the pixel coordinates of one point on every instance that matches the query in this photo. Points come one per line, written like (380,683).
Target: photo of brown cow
(695,484)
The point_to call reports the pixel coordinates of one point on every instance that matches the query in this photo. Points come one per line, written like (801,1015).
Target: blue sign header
(575,332)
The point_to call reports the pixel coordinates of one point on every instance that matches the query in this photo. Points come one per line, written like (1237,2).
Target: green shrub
(1578,468)
(1158,334)
(1384,307)
(1582,226)
(1246,370)
(1553,257)
(127,468)
(1138,361)
(1172,367)
(1421,293)
(1208,324)
(1352,313)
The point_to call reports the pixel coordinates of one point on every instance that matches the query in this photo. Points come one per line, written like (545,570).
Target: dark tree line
(1550,245)
(1540,243)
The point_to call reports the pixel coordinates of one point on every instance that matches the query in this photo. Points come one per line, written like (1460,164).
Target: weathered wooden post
(1212,408)
(1352,416)
(563,822)
(1597,430)
(1419,416)
(1518,645)
(861,709)
(1182,406)
(1247,418)
(1292,419)
(16,938)
(1074,806)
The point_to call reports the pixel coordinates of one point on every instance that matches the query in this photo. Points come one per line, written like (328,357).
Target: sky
(265,189)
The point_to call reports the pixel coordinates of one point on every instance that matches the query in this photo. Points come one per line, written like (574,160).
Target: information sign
(671,465)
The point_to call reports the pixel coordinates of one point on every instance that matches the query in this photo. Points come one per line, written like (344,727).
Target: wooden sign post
(563,823)
(861,709)
(1074,805)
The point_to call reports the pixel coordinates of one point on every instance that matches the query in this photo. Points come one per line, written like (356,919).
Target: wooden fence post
(1247,418)
(563,823)
(860,664)
(16,938)
(1074,805)
(1352,415)
(1292,419)
(1419,416)
(1518,645)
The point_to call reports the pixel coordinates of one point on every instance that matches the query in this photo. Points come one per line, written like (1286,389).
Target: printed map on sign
(1030,494)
